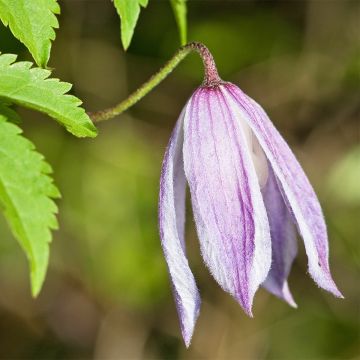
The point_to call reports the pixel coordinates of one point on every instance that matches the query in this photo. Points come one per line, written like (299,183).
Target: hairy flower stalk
(249,195)
(210,76)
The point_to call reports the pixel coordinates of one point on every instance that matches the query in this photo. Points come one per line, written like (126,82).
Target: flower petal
(297,188)
(283,240)
(228,207)
(172,223)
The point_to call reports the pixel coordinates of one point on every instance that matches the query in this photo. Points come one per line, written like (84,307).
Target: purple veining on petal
(247,225)
(212,216)
(260,247)
(296,186)
(283,240)
(228,207)
(171,224)
(246,248)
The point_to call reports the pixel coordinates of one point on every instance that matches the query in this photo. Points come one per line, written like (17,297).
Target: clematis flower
(249,196)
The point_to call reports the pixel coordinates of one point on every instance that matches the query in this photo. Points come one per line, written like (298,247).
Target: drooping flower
(249,194)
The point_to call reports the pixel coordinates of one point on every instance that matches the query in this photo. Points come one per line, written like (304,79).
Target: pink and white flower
(249,195)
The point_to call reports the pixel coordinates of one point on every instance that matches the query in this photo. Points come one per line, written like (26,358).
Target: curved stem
(211,78)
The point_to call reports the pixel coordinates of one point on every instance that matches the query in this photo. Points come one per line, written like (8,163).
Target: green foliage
(26,190)
(179,8)
(33,23)
(9,113)
(128,11)
(31,87)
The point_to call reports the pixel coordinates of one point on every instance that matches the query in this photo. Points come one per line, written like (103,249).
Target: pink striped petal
(228,207)
(172,223)
(283,241)
(297,188)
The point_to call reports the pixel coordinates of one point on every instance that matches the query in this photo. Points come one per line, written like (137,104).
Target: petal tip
(187,323)
(334,289)
(324,280)
(250,314)
(187,338)
(188,332)
(248,310)
(336,292)
(246,306)
(281,291)
(287,296)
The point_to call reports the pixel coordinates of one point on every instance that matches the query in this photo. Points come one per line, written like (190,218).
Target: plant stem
(211,78)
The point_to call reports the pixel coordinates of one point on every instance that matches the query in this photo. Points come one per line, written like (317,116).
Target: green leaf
(179,8)
(20,84)
(26,192)
(128,11)
(33,23)
(9,113)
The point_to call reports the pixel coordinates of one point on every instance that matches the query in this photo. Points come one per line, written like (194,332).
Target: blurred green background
(107,294)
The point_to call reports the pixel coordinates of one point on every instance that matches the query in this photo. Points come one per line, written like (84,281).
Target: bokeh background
(107,294)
